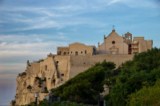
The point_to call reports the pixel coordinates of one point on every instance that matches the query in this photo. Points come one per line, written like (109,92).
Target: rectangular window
(45,67)
(85,51)
(62,75)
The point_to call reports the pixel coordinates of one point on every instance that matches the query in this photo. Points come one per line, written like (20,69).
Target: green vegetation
(62,103)
(134,83)
(85,87)
(147,96)
(40,81)
(140,73)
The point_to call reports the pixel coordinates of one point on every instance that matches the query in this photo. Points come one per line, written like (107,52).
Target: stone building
(116,44)
(43,75)
(76,49)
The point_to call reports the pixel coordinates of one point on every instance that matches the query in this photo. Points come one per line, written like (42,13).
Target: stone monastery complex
(51,72)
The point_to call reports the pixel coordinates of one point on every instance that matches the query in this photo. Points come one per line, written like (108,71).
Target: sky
(31,29)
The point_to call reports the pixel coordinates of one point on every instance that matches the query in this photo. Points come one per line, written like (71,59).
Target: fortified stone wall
(81,63)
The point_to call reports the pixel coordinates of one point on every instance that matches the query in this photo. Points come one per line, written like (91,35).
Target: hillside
(136,75)
(135,82)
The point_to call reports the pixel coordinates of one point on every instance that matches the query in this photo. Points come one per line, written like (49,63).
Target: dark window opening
(130,49)
(62,74)
(76,53)
(45,67)
(113,42)
(56,64)
(85,51)
(54,81)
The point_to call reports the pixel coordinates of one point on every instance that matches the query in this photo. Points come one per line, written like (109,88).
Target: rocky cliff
(39,77)
(43,75)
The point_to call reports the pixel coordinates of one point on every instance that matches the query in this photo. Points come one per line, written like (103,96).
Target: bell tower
(128,40)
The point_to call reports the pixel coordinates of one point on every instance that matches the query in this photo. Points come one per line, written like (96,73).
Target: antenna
(113,30)
(113,27)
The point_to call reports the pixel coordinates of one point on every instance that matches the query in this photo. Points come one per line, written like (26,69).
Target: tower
(128,40)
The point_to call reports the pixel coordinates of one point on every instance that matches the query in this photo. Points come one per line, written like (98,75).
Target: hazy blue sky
(31,29)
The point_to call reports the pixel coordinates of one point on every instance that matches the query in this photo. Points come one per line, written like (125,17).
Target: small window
(81,52)
(85,51)
(76,53)
(64,53)
(56,63)
(62,74)
(45,67)
(113,42)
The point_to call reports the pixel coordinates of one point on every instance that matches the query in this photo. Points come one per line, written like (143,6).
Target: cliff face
(39,77)
(43,75)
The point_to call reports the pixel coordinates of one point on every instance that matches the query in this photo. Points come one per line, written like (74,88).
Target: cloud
(112,2)
(63,15)
(42,18)
(29,44)
(134,4)
(11,70)
(15,53)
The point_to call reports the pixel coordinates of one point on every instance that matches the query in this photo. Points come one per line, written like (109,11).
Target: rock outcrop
(39,77)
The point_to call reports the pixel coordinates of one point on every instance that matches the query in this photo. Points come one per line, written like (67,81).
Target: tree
(147,96)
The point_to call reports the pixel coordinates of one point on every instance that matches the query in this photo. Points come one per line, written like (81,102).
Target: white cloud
(60,16)
(37,24)
(15,53)
(14,67)
(111,2)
